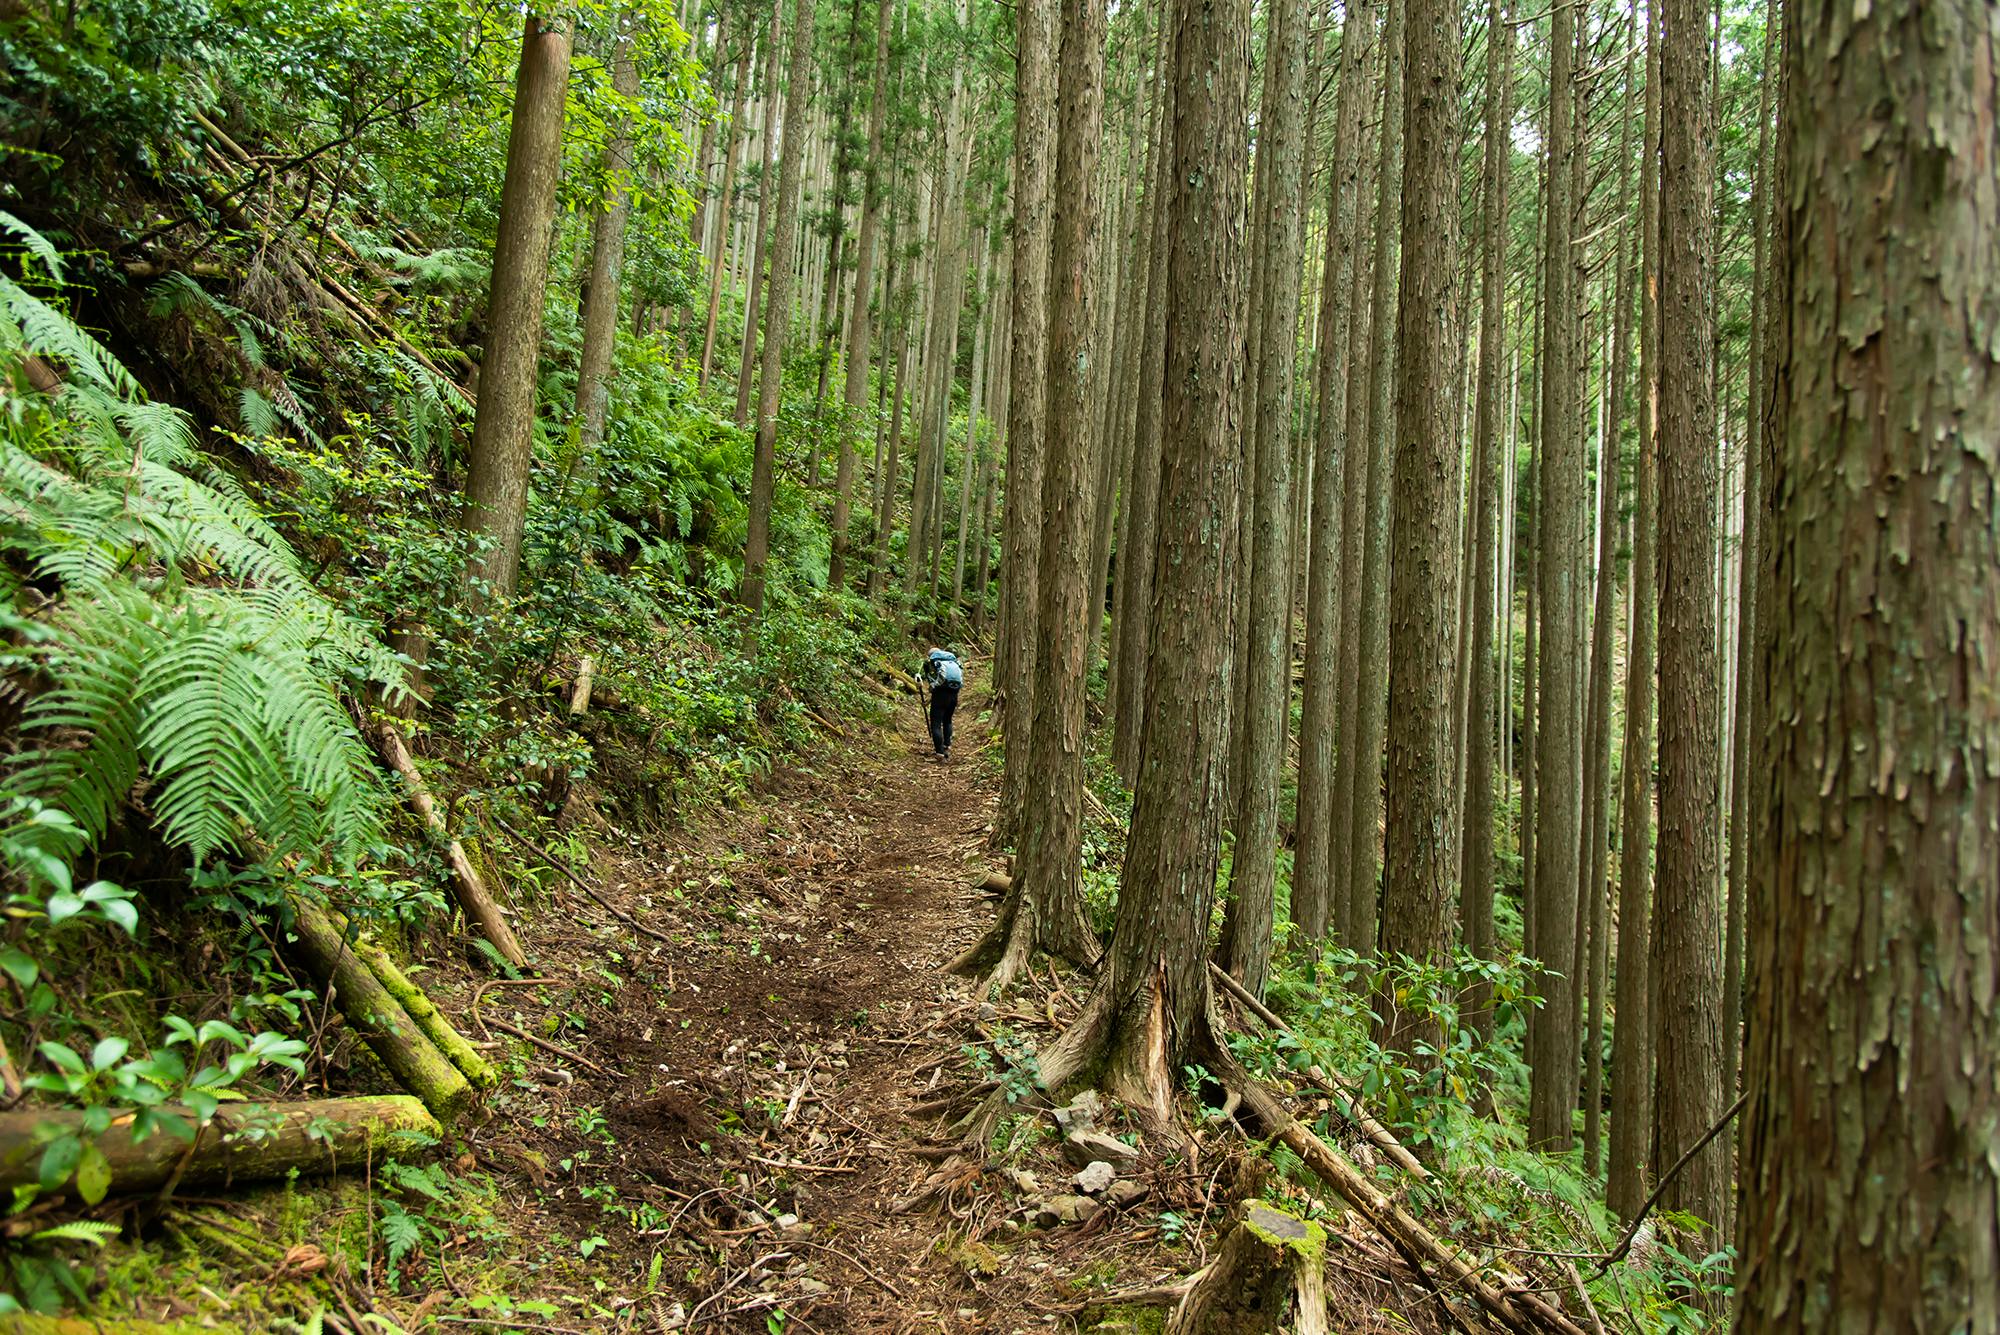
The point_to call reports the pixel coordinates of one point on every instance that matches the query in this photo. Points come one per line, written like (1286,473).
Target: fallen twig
(558,1050)
(1617,1253)
(584,885)
(1382,1138)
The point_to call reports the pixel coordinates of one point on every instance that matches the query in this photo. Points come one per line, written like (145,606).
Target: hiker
(942,678)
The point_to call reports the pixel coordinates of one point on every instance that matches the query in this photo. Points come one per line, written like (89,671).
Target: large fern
(186,649)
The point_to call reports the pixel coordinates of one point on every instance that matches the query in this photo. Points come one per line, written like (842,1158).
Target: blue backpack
(942,669)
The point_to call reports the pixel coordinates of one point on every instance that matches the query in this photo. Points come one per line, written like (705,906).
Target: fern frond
(47,332)
(98,661)
(259,417)
(35,244)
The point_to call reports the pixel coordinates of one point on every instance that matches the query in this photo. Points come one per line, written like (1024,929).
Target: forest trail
(758,1099)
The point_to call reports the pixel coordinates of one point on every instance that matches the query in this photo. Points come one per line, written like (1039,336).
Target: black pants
(944,703)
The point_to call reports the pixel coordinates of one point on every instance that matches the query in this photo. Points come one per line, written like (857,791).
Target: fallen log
(378,1017)
(1269,1275)
(1508,1301)
(418,1005)
(467,885)
(1341,1089)
(244,1142)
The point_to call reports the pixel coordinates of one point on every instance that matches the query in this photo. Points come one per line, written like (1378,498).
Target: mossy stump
(1270,1275)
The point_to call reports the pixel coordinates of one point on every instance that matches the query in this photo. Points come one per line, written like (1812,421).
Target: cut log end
(1268,1276)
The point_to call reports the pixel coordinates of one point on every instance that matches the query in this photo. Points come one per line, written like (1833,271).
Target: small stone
(1096,1178)
(813,1288)
(1060,1210)
(1083,1147)
(1125,1193)
(988,1012)
(1081,1114)
(1022,1180)
(790,1227)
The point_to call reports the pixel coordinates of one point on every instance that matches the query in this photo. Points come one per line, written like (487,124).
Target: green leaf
(63,906)
(63,1057)
(59,1161)
(19,965)
(108,1052)
(93,1175)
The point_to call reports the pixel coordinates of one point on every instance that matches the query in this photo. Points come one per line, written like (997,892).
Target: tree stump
(1269,1276)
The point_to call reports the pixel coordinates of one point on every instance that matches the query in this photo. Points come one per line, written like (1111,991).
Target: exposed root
(1024,926)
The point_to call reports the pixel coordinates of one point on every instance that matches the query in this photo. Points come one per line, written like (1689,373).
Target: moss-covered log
(418,1005)
(245,1142)
(378,1016)
(467,884)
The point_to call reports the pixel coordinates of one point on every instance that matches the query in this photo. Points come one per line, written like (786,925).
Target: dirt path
(756,1118)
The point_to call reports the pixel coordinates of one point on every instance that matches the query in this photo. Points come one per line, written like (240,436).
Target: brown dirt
(771,1060)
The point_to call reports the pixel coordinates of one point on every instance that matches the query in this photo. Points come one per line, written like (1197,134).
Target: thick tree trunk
(247,1142)
(1150,1005)
(1051,863)
(777,316)
(1267,695)
(1312,876)
(1687,964)
(503,429)
(1553,1047)
(1870,1188)
(1423,577)
(607,252)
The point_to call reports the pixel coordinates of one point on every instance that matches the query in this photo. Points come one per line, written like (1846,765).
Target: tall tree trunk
(1687,965)
(1751,558)
(1632,1039)
(1559,526)
(1361,889)
(607,252)
(885,512)
(729,161)
(1483,718)
(1870,1190)
(980,342)
(1423,576)
(503,429)
(777,316)
(1597,829)
(765,211)
(1137,560)
(1052,854)
(1034,163)
(1267,696)
(1354,543)
(854,392)
(1312,878)
(1148,1011)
